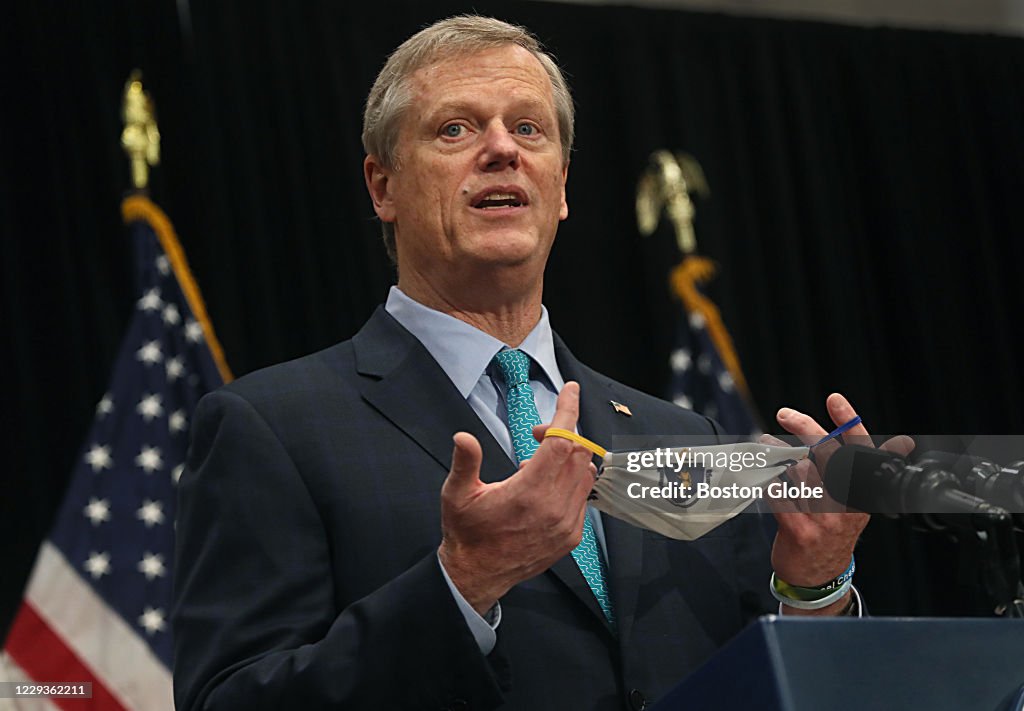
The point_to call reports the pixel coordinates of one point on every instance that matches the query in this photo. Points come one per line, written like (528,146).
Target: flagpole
(705,349)
(140,140)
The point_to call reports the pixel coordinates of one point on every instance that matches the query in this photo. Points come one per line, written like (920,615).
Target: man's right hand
(497,535)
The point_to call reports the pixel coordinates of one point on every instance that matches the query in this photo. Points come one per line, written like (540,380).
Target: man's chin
(494,264)
(506,247)
(507,256)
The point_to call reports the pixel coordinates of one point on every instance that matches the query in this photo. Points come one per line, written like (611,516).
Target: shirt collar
(464,351)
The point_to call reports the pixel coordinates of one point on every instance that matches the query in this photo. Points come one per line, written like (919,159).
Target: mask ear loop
(572,436)
(600,451)
(837,433)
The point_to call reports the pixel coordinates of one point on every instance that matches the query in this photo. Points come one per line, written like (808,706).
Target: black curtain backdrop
(862,212)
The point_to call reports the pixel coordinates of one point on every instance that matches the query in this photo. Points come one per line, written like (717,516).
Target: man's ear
(378,184)
(564,212)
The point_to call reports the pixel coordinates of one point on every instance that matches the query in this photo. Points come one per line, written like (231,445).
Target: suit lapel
(600,422)
(408,387)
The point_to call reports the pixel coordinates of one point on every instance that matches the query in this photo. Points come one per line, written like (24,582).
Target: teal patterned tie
(522,416)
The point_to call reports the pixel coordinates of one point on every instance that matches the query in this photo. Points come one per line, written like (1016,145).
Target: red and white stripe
(9,671)
(64,632)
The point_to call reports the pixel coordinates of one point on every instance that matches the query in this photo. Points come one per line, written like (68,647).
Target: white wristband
(832,597)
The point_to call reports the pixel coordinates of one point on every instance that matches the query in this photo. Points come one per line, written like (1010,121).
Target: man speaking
(380,525)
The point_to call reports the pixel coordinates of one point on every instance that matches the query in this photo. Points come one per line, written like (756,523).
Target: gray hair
(461,35)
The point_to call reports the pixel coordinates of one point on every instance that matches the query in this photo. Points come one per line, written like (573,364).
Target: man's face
(480,181)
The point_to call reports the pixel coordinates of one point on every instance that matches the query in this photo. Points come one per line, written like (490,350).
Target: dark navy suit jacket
(306,568)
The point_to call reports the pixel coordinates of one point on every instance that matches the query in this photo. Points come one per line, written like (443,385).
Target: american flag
(706,374)
(97,602)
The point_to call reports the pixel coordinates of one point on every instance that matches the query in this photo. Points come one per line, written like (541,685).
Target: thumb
(567,408)
(467,457)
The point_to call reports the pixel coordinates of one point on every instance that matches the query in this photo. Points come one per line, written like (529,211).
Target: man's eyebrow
(524,105)
(451,107)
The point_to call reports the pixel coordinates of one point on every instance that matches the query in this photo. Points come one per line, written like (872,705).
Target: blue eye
(452,130)
(526,129)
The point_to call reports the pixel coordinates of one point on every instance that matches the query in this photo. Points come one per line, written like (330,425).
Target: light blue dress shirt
(464,354)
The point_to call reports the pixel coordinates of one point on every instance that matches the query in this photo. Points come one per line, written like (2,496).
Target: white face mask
(684,492)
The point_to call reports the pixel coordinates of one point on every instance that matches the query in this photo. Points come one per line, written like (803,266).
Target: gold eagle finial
(140,138)
(665,187)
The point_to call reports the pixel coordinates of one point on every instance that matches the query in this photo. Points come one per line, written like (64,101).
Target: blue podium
(844,664)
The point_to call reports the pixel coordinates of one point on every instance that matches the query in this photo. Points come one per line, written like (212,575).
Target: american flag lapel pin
(619,407)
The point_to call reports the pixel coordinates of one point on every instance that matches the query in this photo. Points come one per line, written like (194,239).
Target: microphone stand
(1004,548)
(999,562)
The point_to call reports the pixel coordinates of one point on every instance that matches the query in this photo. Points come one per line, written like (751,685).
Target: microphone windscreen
(864,478)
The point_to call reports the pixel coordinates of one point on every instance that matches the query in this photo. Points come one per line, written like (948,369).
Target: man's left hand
(814,543)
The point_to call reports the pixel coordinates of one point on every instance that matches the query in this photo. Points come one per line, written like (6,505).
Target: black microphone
(876,481)
(999,485)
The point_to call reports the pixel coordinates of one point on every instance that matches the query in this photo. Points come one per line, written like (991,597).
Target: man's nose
(500,150)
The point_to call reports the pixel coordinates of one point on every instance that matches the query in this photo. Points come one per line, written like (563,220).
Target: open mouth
(495,198)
